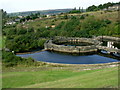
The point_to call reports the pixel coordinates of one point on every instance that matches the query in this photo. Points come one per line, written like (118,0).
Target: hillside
(113,16)
(56,11)
(86,24)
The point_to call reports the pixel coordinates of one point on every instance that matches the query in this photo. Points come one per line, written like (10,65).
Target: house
(48,16)
(112,8)
(53,26)
(20,16)
(17,20)
(10,22)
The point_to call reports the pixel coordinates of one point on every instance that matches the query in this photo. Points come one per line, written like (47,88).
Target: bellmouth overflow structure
(92,44)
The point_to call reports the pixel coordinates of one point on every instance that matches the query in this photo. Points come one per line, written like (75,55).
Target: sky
(31,5)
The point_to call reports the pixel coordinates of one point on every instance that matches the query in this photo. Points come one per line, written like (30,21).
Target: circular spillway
(72,45)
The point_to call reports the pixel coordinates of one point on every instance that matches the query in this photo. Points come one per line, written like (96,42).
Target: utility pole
(82,9)
(79,9)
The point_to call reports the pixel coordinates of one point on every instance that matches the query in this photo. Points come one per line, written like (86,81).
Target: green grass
(99,78)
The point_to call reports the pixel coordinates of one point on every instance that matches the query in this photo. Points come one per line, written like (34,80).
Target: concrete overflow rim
(50,45)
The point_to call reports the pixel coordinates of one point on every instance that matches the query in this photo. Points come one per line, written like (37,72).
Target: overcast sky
(31,5)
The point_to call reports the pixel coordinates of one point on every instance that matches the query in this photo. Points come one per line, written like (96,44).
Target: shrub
(10,60)
(82,17)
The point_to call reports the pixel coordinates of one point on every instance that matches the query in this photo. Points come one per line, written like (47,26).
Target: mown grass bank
(61,78)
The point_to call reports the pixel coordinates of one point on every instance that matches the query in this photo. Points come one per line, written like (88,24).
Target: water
(53,57)
(74,44)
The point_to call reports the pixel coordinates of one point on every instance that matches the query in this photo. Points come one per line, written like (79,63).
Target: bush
(10,60)
(22,43)
(75,11)
(41,43)
(107,21)
(82,17)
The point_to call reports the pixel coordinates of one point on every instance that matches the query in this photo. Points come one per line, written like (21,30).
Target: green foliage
(41,43)
(71,24)
(82,17)
(11,31)
(22,20)
(34,16)
(75,11)
(88,27)
(107,21)
(101,6)
(65,17)
(60,25)
(10,60)
(73,17)
(21,31)
(25,42)
(91,8)
(4,17)
(28,17)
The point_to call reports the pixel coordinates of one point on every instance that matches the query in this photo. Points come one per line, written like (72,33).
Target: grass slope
(99,78)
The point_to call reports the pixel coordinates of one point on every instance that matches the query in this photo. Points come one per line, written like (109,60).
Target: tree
(91,8)
(75,11)
(22,20)
(74,8)
(82,17)
(65,16)
(100,6)
(28,18)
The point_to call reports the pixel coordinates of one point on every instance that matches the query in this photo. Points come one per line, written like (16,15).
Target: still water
(54,57)
(74,44)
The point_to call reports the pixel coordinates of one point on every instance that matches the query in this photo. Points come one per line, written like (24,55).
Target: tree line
(101,6)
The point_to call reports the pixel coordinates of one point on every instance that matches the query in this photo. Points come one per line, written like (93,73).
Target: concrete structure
(108,38)
(96,44)
(50,45)
(109,47)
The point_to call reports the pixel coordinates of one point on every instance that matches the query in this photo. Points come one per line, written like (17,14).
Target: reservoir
(54,57)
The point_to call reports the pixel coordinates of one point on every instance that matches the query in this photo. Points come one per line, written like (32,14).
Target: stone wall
(108,38)
(50,45)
